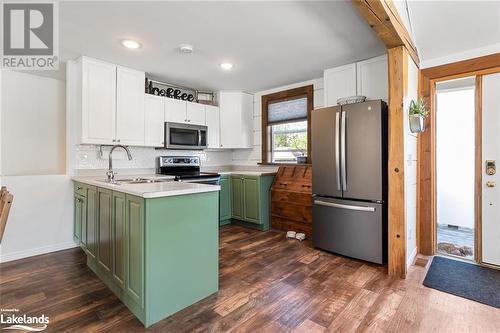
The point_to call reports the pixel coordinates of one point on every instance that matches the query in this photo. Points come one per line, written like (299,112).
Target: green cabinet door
(236,197)
(134,220)
(79,216)
(104,240)
(91,223)
(251,199)
(118,236)
(225,199)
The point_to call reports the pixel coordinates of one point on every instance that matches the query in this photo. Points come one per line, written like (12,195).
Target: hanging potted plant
(417,114)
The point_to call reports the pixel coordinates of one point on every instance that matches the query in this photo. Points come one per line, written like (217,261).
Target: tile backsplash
(88,157)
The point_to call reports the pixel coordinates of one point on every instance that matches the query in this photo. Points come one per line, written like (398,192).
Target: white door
(213,121)
(195,113)
(175,110)
(98,101)
(491,183)
(154,120)
(129,106)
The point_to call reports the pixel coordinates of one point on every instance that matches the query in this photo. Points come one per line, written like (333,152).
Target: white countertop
(149,190)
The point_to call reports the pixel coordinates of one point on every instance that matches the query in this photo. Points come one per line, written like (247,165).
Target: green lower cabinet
(236,197)
(104,239)
(135,249)
(91,223)
(250,200)
(225,200)
(78,218)
(157,255)
(119,238)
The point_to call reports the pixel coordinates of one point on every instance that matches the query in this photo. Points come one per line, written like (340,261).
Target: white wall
(33,131)
(254,155)
(410,153)
(33,146)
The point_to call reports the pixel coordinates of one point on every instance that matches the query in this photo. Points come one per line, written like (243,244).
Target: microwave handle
(199,138)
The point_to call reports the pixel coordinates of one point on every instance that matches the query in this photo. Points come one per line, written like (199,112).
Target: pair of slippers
(296,235)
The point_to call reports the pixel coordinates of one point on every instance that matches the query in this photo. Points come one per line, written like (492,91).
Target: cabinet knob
(114,140)
(118,140)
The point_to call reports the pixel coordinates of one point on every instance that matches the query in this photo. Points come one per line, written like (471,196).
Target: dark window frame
(305,91)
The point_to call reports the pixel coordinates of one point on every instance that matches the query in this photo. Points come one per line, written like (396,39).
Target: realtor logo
(30,32)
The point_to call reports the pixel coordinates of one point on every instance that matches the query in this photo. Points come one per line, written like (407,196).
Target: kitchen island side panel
(182,252)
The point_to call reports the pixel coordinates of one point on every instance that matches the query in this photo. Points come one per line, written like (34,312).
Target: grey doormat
(480,284)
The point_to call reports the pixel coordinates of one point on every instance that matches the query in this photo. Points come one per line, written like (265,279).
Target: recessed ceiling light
(186,48)
(226,66)
(131,44)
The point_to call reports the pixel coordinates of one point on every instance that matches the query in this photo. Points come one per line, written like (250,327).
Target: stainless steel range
(185,169)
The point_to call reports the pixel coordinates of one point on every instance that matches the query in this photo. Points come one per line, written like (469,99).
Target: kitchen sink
(138,180)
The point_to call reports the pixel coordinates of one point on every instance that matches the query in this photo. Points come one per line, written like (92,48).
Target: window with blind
(285,124)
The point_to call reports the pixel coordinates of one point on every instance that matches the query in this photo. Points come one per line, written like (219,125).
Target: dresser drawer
(80,189)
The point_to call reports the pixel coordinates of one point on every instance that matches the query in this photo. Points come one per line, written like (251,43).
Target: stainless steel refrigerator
(349,160)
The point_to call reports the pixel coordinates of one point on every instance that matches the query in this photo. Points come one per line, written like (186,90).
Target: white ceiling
(270,43)
(442,29)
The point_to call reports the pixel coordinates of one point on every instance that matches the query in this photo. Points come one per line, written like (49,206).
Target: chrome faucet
(111,173)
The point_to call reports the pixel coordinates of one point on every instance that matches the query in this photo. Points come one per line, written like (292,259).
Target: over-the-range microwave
(185,136)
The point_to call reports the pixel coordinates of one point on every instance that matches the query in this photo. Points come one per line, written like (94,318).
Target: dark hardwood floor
(267,284)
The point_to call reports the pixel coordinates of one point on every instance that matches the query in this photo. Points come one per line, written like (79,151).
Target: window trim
(305,91)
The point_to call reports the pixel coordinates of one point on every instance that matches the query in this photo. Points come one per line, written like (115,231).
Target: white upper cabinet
(195,113)
(213,123)
(366,78)
(339,82)
(236,119)
(129,106)
(175,110)
(154,107)
(98,101)
(372,76)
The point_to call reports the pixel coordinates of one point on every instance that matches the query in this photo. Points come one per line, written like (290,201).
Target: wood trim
(426,140)
(307,91)
(478,211)
(384,19)
(398,87)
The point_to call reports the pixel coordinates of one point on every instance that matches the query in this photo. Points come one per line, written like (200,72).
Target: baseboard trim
(412,258)
(36,251)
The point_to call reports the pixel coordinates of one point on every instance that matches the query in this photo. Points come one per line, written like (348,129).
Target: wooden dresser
(291,201)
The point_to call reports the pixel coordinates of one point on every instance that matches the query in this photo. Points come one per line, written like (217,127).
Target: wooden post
(398,82)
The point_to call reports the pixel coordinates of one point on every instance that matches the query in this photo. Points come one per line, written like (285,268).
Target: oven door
(184,136)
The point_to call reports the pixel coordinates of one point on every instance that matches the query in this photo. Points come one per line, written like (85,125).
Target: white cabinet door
(175,110)
(195,113)
(98,102)
(372,77)
(129,106)
(236,119)
(212,115)
(154,107)
(339,82)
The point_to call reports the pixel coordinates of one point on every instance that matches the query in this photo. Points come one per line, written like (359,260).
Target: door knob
(490,183)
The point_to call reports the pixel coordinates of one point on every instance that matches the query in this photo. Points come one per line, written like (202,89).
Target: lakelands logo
(16,321)
(30,36)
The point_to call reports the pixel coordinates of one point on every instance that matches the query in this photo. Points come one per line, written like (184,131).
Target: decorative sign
(170,91)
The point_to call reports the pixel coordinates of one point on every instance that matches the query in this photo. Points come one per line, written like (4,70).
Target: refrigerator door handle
(341,206)
(343,152)
(337,149)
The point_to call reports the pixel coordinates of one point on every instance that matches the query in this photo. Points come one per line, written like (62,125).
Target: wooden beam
(398,86)
(384,19)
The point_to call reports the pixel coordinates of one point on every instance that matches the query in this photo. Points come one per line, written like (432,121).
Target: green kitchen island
(154,245)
